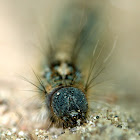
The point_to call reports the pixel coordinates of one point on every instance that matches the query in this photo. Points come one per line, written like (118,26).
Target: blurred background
(23,25)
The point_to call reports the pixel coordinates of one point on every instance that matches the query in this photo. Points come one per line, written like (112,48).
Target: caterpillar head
(69,104)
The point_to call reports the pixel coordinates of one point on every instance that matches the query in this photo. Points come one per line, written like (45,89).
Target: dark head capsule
(70,105)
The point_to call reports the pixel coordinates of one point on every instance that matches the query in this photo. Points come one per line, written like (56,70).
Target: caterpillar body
(66,102)
(64,85)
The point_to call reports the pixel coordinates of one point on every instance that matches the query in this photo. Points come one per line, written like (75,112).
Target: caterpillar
(64,86)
